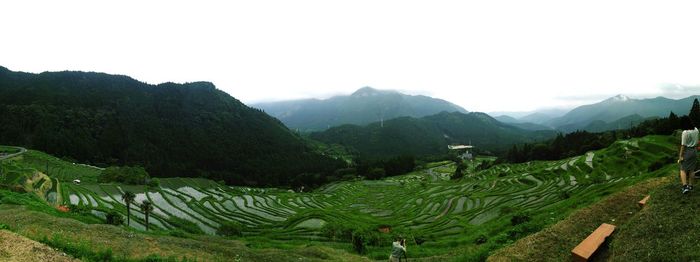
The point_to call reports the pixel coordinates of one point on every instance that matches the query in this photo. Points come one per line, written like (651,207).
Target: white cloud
(482,55)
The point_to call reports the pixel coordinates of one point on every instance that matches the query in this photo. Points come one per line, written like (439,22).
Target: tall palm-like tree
(128,198)
(147,208)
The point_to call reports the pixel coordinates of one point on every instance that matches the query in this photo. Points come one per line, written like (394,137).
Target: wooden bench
(643,202)
(588,246)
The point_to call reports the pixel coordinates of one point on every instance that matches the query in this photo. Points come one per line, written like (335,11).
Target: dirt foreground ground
(14,247)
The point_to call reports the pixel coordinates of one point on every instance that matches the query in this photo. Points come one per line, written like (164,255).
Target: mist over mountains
(364,106)
(618,112)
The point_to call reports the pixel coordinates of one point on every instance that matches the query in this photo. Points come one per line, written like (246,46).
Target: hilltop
(364,106)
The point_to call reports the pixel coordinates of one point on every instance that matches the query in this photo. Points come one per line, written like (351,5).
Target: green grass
(94,242)
(59,169)
(667,229)
(447,217)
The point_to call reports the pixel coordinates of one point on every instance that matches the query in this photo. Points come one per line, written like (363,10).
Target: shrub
(153,183)
(419,240)
(230,229)
(4,227)
(564,195)
(480,239)
(520,218)
(358,244)
(79,209)
(114,218)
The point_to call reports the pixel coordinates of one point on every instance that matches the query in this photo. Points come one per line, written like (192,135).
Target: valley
(437,215)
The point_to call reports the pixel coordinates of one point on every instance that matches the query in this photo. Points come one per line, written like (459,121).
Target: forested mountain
(613,110)
(171,129)
(539,116)
(521,124)
(364,106)
(429,135)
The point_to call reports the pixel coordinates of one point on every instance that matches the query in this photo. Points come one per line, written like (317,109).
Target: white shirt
(689,138)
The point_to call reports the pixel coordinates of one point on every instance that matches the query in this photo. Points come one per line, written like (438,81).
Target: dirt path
(14,247)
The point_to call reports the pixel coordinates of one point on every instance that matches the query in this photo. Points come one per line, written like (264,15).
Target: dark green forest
(185,130)
(429,135)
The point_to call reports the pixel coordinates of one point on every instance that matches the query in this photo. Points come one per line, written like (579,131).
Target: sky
(482,55)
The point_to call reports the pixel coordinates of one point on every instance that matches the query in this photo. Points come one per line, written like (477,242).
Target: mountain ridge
(618,107)
(364,106)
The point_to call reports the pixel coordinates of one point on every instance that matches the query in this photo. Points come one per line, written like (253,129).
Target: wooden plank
(588,246)
(644,200)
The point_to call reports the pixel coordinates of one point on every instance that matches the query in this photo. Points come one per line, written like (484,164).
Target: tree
(128,198)
(695,112)
(147,208)
(459,171)
(114,218)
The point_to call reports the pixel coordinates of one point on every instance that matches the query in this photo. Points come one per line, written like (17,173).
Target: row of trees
(580,142)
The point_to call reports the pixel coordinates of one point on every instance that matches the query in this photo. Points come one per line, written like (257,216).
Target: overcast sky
(483,55)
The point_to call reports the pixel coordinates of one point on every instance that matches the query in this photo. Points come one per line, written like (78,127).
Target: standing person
(687,156)
(398,249)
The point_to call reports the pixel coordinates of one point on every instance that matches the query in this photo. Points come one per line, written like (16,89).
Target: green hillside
(183,130)
(364,106)
(429,135)
(442,218)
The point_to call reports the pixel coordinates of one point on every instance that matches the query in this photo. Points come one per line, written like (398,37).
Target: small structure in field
(63,209)
(462,151)
(76,181)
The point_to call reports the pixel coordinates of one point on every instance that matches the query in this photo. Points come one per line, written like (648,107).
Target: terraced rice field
(424,202)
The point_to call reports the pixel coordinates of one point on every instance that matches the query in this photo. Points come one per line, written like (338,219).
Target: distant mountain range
(539,116)
(429,135)
(618,112)
(171,129)
(364,106)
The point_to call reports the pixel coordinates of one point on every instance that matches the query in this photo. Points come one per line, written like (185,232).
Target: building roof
(458,147)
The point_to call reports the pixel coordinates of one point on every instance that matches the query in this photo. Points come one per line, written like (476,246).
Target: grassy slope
(667,229)
(57,168)
(555,243)
(14,247)
(423,205)
(126,243)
